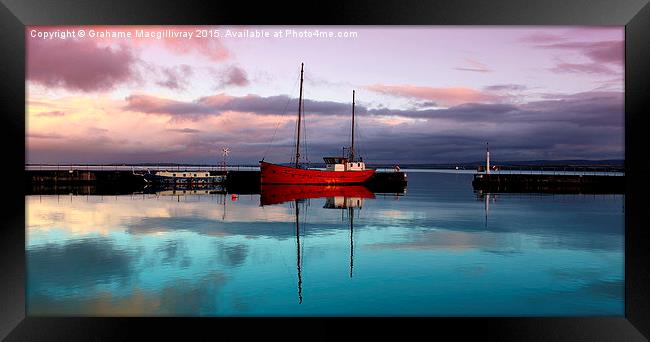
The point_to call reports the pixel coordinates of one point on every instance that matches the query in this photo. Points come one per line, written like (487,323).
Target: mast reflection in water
(337,197)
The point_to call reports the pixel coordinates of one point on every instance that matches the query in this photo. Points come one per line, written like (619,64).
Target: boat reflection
(346,204)
(175,190)
(276,194)
(179,190)
(344,198)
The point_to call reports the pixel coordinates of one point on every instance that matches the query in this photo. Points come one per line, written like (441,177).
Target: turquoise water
(440,249)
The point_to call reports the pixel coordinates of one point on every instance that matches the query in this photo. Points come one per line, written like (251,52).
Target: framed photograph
(470,168)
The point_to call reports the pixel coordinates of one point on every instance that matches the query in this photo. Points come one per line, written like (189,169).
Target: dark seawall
(82,182)
(604,184)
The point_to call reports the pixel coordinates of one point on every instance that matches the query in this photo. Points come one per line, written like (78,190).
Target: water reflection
(277,194)
(441,249)
(343,197)
(298,263)
(347,204)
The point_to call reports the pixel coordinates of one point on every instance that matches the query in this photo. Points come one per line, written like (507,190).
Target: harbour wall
(605,184)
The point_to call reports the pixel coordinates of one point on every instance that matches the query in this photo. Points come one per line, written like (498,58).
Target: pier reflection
(486,197)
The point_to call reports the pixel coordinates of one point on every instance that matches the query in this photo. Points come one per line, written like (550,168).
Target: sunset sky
(424,94)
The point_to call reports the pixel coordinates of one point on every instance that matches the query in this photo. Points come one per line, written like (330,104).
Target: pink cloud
(78,65)
(211,48)
(98,64)
(447,96)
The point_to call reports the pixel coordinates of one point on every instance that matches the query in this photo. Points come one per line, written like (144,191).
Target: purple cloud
(184,130)
(217,104)
(581,110)
(233,76)
(506,87)
(541,37)
(606,57)
(599,52)
(584,109)
(586,125)
(78,65)
(175,77)
(474,65)
(586,68)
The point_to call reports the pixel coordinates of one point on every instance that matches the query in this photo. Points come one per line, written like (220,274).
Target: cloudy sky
(424,94)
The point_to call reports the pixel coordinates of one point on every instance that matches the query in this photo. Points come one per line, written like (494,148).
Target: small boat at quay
(339,170)
(188,178)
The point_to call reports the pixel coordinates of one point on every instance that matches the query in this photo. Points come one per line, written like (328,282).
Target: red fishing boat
(338,170)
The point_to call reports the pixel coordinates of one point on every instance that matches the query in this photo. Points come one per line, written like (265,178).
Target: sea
(435,248)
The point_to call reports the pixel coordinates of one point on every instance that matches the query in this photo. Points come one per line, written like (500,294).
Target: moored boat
(280,174)
(338,170)
(183,177)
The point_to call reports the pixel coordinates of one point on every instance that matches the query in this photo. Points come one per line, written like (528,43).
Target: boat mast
(352,148)
(299,116)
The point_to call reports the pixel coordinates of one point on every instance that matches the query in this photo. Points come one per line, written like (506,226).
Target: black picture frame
(634,14)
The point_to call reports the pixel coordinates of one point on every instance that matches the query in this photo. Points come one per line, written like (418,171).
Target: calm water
(440,249)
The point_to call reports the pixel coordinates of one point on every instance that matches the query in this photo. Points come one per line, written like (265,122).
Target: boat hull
(279,174)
